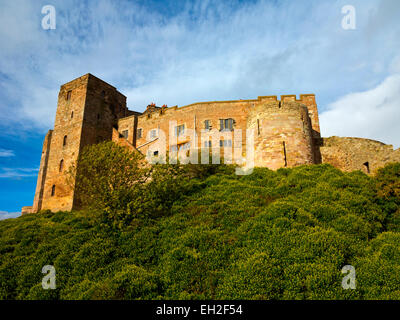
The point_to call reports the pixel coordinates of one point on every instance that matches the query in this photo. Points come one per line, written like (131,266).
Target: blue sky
(180,52)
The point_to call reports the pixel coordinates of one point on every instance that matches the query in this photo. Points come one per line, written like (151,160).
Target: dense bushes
(269,235)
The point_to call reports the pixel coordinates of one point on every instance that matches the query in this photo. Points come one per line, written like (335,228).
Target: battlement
(306,99)
(286,134)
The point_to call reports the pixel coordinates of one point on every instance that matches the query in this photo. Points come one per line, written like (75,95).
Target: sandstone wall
(68,123)
(350,154)
(274,123)
(88,109)
(193,117)
(37,202)
(283,134)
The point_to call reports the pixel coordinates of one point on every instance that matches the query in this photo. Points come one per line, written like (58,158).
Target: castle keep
(286,134)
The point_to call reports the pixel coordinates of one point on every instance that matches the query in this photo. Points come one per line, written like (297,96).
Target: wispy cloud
(18,172)
(204,50)
(373,114)
(8,215)
(6,153)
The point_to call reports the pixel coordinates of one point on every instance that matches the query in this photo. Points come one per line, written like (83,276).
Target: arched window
(53,190)
(65,141)
(61,165)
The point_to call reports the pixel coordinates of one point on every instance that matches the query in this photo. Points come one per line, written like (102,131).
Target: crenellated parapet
(285,131)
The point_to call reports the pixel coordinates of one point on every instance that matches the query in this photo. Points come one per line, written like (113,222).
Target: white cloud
(203,51)
(18,172)
(373,114)
(6,153)
(8,215)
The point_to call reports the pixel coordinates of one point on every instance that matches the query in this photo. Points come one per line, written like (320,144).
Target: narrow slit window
(69,95)
(53,190)
(61,165)
(65,141)
(366,164)
(284,153)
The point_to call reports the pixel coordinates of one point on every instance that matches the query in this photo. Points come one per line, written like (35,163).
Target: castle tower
(283,132)
(87,110)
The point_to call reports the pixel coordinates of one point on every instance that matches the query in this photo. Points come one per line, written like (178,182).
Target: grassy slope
(269,235)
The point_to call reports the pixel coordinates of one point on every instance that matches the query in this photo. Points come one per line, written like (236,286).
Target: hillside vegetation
(202,232)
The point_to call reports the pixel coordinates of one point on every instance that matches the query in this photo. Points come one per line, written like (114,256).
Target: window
(53,190)
(207,124)
(225,143)
(61,165)
(284,153)
(153,133)
(180,130)
(155,153)
(366,164)
(98,117)
(226,124)
(72,114)
(139,133)
(69,95)
(65,141)
(125,134)
(186,146)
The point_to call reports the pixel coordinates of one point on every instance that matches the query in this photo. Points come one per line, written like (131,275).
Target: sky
(180,52)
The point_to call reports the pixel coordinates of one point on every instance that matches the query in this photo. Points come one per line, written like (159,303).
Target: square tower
(87,110)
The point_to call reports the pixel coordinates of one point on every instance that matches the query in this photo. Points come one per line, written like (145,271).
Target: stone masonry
(286,134)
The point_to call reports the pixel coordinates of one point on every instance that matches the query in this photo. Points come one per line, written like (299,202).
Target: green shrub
(193,232)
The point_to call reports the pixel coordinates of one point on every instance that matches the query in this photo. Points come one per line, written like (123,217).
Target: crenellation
(286,134)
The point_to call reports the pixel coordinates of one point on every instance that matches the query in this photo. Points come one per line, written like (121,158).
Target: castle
(286,134)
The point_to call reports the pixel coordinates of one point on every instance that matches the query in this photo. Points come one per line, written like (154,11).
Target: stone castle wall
(274,122)
(286,134)
(349,154)
(87,110)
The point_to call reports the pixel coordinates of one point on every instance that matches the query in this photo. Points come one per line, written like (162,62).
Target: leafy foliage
(205,233)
